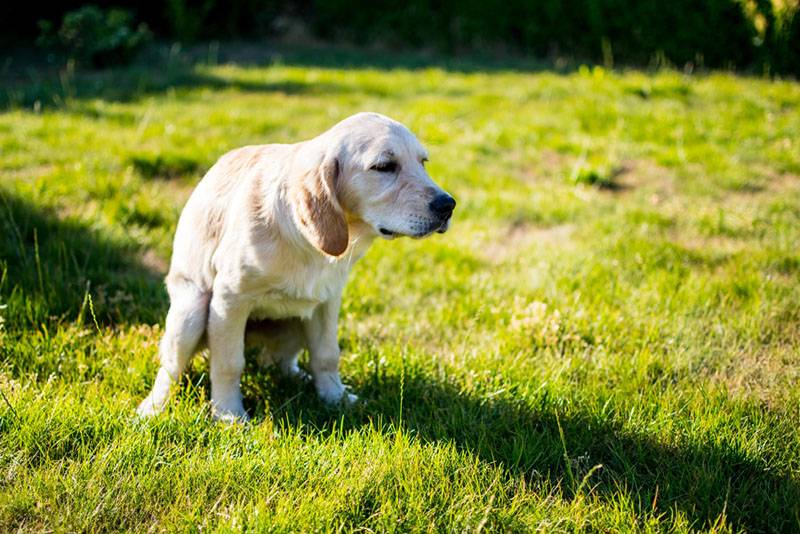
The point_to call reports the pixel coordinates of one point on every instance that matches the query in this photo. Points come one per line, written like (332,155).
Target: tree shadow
(53,87)
(55,269)
(342,56)
(26,82)
(703,480)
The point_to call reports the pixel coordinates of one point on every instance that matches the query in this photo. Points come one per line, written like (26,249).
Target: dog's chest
(300,292)
(275,305)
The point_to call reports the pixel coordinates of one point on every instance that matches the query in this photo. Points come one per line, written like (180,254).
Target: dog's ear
(316,208)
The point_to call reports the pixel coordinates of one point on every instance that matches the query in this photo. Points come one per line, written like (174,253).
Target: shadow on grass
(702,480)
(164,166)
(28,82)
(124,85)
(49,264)
(349,57)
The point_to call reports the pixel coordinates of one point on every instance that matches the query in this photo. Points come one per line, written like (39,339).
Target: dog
(264,246)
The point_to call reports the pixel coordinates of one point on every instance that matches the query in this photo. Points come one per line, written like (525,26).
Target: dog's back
(208,211)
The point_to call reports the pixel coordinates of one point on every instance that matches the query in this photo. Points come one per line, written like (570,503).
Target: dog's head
(371,169)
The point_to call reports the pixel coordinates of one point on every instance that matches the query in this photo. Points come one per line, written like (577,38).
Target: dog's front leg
(323,348)
(227,320)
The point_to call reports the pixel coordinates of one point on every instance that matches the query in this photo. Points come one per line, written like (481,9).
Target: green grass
(607,339)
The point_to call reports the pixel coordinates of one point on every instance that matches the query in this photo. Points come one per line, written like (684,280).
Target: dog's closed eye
(385,166)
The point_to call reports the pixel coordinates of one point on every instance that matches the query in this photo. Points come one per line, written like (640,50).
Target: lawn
(608,338)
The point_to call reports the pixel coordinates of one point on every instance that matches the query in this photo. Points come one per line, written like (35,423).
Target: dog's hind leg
(279,342)
(185,325)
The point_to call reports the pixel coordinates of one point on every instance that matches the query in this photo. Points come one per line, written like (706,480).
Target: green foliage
(187,21)
(761,35)
(785,41)
(95,37)
(191,20)
(564,359)
(590,176)
(712,32)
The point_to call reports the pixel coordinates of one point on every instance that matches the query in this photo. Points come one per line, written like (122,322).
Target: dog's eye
(387,166)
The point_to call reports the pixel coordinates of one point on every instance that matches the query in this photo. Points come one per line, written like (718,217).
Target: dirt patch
(783,182)
(645,174)
(551,165)
(766,181)
(627,176)
(34,171)
(716,243)
(765,375)
(554,163)
(520,236)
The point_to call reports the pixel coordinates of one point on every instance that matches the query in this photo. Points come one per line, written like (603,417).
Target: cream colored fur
(265,244)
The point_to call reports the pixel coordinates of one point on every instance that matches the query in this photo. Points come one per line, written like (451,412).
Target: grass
(607,339)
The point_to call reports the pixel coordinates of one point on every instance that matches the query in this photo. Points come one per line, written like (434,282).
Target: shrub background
(763,35)
(96,37)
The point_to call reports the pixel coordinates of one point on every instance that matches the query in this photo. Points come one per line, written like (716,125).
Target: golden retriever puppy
(266,241)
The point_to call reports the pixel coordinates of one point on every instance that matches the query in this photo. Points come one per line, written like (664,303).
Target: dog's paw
(232,412)
(230,418)
(332,392)
(149,408)
(345,400)
(293,372)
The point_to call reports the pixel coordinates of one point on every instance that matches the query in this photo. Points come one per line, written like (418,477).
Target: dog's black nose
(442,205)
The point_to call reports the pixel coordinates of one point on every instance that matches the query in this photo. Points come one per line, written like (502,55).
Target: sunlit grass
(608,338)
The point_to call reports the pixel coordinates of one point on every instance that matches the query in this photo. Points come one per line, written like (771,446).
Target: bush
(763,35)
(712,32)
(91,36)
(192,20)
(785,49)
(186,21)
